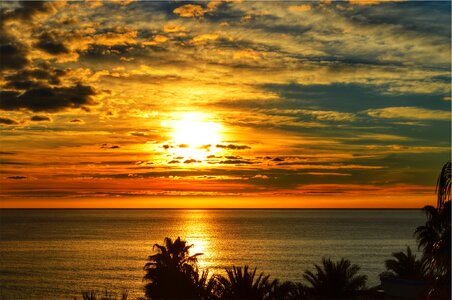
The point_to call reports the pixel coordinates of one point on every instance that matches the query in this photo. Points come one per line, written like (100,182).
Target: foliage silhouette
(335,280)
(406,266)
(443,185)
(172,273)
(207,286)
(92,295)
(288,291)
(434,238)
(242,283)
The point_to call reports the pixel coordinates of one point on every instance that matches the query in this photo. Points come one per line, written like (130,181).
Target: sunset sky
(224,103)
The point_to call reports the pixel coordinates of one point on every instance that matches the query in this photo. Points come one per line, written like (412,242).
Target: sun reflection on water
(197,231)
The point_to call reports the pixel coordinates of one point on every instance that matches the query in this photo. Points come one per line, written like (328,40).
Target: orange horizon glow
(225,202)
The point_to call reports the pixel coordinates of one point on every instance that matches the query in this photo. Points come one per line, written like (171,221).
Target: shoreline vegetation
(173,273)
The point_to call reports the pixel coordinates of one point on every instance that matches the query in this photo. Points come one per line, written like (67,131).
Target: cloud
(49,99)
(236,162)
(12,52)
(8,121)
(259,176)
(121,36)
(204,38)
(30,77)
(158,39)
(16,177)
(48,42)
(194,10)
(372,2)
(190,10)
(247,54)
(190,161)
(233,147)
(78,121)
(108,146)
(173,28)
(40,119)
(300,8)
(26,11)
(412,113)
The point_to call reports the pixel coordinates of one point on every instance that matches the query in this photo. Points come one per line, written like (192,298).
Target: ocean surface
(56,254)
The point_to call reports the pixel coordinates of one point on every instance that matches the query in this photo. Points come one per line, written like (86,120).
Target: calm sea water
(56,254)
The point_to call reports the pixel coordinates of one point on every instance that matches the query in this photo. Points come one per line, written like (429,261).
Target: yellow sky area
(306,201)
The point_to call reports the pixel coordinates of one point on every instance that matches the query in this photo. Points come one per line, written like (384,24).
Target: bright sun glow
(194,136)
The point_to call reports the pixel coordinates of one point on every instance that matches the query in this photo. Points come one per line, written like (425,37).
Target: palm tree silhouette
(406,266)
(242,283)
(288,291)
(443,185)
(434,238)
(338,280)
(172,273)
(207,286)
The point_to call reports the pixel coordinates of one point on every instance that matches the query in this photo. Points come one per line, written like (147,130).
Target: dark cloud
(14,163)
(107,146)
(13,54)
(233,157)
(50,43)
(26,11)
(40,119)
(233,147)
(16,177)
(236,162)
(76,121)
(190,161)
(50,99)
(174,161)
(205,147)
(7,121)
(29,78)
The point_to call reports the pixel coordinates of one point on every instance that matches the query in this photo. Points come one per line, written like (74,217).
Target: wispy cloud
(411,113)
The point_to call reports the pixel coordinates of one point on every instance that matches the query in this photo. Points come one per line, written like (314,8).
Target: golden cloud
(371,2)
(300,8)
(247,54)
(204,38)
(172,28)
(190,10)
(405,112)
(158,39)
(194,10)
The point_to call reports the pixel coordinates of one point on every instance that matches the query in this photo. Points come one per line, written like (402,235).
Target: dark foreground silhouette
(172,273)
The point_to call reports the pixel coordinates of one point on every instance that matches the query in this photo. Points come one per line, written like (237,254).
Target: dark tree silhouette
(242,283)
(443,185)
(288,291)
(207,286)
(172,273)
(338,280)
(434,238)
(405,265)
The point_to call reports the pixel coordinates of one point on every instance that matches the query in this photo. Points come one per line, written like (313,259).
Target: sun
(194,135)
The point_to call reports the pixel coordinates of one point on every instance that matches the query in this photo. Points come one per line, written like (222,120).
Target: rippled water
(55,254)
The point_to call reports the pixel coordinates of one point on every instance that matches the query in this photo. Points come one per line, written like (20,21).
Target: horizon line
(217,208)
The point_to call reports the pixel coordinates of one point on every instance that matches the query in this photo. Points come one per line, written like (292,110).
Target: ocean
(57,254)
